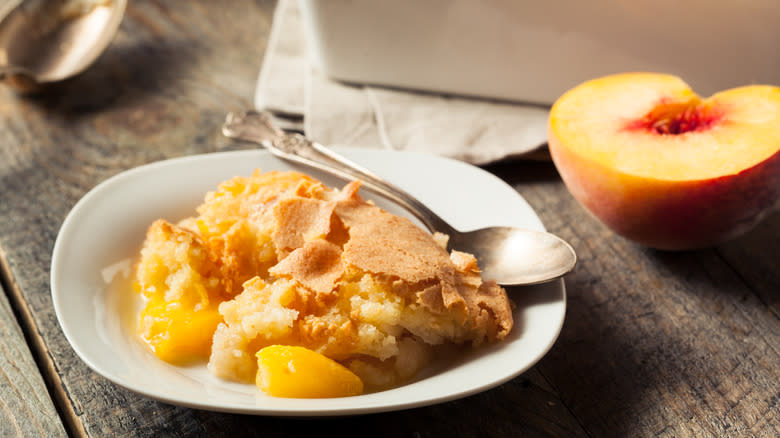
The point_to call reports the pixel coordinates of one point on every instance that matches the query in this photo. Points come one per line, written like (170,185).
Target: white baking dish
(533,50)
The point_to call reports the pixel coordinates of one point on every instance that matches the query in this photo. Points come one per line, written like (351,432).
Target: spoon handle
(257,127)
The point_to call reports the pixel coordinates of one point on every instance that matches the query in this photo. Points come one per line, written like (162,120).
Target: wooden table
(654,343)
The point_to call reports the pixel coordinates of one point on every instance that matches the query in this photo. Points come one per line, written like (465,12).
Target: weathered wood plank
(26,410)
(755,256)
(658,343)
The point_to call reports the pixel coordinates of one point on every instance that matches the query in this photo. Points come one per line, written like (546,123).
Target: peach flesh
(626,172)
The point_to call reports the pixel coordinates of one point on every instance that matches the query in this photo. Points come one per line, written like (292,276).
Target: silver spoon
(44,41)
(510,256)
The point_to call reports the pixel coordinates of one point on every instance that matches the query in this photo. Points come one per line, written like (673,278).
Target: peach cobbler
(279,259)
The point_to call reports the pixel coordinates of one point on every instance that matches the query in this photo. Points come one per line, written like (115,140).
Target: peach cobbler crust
(286,260)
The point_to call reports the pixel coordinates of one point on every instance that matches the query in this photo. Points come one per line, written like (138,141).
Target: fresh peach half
(663,167)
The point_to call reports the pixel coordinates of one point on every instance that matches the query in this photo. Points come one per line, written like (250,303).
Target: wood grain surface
(26,409)
(654,343)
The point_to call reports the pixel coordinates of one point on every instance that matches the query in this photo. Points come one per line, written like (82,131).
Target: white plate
(99,240)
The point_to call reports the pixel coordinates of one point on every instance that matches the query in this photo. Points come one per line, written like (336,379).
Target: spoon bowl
(44,41)
(510,256)
(515,256)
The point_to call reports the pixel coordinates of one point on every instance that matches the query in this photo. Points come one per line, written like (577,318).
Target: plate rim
(107,184)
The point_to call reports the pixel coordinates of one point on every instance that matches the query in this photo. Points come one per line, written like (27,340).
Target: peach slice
(663,167)
(297,372)
(178,334)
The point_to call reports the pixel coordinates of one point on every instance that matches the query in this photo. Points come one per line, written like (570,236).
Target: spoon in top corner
(510,256)
(44,41)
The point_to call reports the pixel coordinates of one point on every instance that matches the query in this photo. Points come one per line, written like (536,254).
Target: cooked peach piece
(297,372)
(178,334)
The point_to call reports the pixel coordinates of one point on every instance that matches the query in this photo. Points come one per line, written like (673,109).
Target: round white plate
(98,243)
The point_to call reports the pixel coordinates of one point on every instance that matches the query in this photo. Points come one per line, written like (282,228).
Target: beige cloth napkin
(333,113)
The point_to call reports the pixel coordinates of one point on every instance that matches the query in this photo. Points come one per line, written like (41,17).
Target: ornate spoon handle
(257,127)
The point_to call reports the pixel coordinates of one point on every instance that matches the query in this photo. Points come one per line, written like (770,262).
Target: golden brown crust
(388,245)
(382,243)
(316,265)
(299,220)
